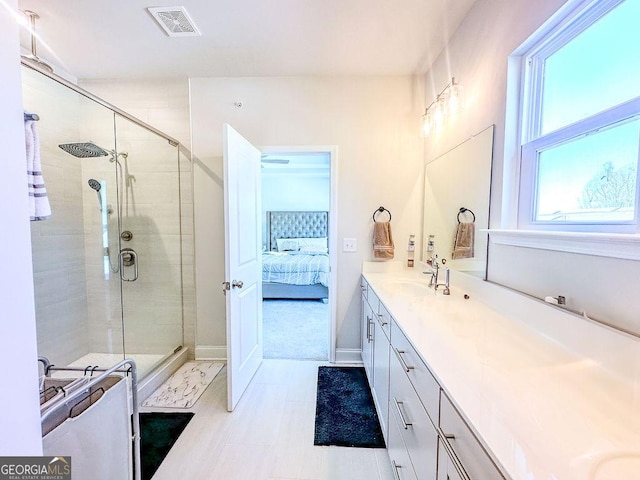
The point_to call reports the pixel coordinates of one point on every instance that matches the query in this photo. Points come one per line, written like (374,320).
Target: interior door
(243,282)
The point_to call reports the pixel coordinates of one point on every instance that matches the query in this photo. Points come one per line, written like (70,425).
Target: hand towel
(463,243)
(382,240)
(39,208)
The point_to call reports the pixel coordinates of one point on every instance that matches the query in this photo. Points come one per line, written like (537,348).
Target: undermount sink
(407,287)
(616,466)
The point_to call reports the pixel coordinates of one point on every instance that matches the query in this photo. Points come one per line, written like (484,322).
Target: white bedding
(295,268)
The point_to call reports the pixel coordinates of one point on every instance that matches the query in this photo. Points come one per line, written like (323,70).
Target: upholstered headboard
(295,225)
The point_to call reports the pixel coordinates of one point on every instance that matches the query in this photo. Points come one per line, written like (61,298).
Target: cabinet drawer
(398,455)
(427,387)
(446,466)
(373,299)
(419,434)
(384,320)
(474,458)
(364,287)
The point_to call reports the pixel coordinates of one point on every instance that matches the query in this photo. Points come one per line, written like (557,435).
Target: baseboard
(209,352)
(349,355)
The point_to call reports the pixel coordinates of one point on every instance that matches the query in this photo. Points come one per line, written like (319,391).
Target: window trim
(529,162)
(530,141)
(610,245)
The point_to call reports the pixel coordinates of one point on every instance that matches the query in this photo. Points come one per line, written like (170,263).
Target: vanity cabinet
(366,335)
(413,399)
(416,429)
(426,436)
(462,445)
(380,388)
(398,454)
(375,352)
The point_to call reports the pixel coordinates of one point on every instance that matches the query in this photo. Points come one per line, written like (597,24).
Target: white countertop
(553,396)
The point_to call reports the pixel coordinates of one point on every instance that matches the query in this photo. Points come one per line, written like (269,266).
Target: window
(580,125)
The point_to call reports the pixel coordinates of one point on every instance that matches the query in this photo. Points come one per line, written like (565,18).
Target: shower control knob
(126,235)
(237,284)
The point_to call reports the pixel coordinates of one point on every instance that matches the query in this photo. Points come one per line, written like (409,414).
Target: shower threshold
(145,362)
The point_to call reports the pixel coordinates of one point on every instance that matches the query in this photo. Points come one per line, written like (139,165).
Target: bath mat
(345,414)
(185,386)
(158,432)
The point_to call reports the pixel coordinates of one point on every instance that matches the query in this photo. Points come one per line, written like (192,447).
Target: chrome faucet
(434,272)
(446,290)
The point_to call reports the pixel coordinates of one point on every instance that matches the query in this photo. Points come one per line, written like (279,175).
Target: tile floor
(268,437)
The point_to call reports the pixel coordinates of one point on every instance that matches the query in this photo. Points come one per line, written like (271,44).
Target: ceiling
(120,39)
(301,163)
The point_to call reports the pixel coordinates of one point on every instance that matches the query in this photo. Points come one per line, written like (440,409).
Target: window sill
(612,245)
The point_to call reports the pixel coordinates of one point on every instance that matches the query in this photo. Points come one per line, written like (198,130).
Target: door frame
(332,151)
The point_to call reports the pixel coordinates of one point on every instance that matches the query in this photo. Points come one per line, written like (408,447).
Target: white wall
(19,412)
(295,192)
(477,56)
(374,121)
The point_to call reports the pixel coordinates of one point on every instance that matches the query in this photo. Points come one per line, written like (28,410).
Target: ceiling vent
(175,21)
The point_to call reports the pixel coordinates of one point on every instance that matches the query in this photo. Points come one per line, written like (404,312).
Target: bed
(295,263)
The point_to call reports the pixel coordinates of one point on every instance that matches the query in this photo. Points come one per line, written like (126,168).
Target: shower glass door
(107,262)
(148,197)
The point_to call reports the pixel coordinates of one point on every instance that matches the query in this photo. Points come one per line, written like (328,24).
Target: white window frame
(532,142)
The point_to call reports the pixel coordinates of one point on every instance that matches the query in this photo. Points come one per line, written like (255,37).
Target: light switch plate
(349,245)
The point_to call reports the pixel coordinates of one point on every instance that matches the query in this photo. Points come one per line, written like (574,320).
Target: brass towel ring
(380,210)
(464,210)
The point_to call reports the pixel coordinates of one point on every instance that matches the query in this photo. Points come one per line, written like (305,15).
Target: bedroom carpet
(295,329)
(345,413)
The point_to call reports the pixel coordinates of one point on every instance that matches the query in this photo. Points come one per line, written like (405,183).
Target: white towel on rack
(39,208)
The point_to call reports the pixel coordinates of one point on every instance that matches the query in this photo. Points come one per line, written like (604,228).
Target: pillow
(306,242)
(313,249)
(287,244)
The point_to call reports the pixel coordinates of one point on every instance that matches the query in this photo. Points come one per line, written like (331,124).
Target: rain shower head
(84,150)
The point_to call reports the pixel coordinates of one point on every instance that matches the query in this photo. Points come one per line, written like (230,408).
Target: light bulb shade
(455,98)
(427,123)
(438,113)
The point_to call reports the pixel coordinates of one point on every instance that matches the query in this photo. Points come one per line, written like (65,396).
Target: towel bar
(380,210)
(463,210)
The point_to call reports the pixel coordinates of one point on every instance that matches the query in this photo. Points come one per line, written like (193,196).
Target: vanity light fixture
(446,105)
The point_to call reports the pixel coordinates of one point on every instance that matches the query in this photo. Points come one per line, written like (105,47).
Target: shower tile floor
(269,436)
(145,362)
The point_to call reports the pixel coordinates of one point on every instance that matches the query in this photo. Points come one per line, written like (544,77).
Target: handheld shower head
(95,184)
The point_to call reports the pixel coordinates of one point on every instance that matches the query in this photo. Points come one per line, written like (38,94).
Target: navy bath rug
(158,432)
(345,413)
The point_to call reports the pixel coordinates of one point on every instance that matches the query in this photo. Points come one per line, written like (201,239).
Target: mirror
(459,179)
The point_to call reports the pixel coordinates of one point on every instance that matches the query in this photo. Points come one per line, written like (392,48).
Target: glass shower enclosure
(108,262)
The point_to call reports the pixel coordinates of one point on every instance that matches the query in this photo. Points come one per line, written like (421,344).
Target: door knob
(237,284)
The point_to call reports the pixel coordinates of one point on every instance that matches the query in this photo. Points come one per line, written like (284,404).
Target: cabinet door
(381,375)
(418,433)
(446,467)
(474,458)
(367,339)
(400,462)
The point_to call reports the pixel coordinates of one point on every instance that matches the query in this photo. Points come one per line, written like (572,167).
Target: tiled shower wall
(78,308)
(165,105)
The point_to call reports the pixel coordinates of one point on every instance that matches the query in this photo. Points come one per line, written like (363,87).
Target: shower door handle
(128,258)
